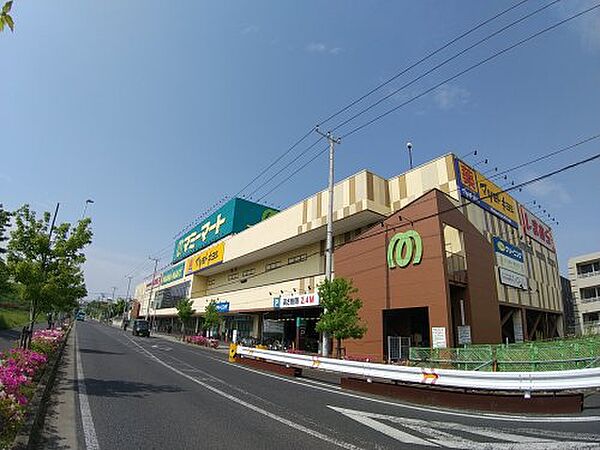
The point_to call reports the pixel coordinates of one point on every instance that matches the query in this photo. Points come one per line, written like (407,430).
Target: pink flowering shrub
(19,370)
(203,341)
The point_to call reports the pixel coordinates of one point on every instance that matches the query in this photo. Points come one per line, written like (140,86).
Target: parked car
(140,328)
(80,316)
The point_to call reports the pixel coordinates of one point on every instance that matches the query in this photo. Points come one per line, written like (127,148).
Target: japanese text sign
(174,273)
(209,257)
(233,217)
(536,229)
(478,189)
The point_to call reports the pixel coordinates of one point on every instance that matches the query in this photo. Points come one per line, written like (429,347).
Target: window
(210,282)
(588,269)
(297,259)
(590,294)
(272,266)
(591,317)
(233,276)
(169,297)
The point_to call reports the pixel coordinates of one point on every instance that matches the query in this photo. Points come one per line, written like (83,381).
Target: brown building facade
(446,284)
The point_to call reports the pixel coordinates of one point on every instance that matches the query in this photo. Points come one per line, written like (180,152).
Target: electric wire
(470,68)
(443,63)
(420,61)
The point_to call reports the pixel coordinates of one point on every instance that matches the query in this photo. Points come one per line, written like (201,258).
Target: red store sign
(536,229)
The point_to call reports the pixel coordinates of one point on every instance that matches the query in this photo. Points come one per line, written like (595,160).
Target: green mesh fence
(566,354)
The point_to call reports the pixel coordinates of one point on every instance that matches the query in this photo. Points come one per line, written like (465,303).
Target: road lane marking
(440,434)
(394,433)
(254,408)
(89,431)
(479,416)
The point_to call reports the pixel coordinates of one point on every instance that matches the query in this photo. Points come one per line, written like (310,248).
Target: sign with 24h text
(478,189)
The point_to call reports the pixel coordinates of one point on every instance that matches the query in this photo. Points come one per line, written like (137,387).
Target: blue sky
(157,109)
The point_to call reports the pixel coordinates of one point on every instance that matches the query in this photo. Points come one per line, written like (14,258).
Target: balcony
(457,268)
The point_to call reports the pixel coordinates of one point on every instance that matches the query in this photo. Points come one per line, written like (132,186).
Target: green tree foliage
(6,19)
(118,307)
(211,316)
(340,317)
(47,272)
(184,312)
(5,285)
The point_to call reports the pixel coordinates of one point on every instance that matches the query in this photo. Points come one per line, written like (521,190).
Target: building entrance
(410,323)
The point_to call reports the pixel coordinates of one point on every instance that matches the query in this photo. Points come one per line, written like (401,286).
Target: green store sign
(404,248)
(175,273)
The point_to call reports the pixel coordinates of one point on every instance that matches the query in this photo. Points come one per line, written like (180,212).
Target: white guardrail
(558,380)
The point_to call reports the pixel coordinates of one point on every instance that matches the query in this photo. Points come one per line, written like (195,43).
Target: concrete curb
(29,433)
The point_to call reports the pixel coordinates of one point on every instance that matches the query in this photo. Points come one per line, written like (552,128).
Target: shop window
(272,266)
(297,259)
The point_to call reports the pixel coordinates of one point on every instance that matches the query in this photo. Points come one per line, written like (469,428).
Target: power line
(420,61)
(480,63)
(541,158)
(501,30)
(443,63)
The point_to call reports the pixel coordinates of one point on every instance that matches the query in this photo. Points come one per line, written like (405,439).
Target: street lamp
(409,148)
(87,202)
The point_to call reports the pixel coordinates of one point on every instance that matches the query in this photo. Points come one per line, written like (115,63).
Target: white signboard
(512,279)
(438,337)
(511,264)
(296,300)
(464,335)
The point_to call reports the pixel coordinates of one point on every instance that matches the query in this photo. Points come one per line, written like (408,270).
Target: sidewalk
(59,429)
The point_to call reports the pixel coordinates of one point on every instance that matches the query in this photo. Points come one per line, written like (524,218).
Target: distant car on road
(80,316)
(140,328)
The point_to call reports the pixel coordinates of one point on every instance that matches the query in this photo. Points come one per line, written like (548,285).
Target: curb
(29,433)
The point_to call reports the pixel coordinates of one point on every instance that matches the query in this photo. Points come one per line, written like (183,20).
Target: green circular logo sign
(404,248)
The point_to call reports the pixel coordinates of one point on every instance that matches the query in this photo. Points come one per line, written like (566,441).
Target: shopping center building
(440,255)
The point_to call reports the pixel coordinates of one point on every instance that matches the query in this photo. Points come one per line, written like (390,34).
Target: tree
(211,316)
(340,311)
(185,313)
(118,308)
(5,17)
(47,270)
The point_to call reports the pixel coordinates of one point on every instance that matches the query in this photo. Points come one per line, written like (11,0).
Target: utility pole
(329,242)
(129,277)
(151,286)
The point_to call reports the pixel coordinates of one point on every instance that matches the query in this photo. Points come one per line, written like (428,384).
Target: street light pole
(127,296)
(329,242)
(151,287)
(409,147)
(87,202)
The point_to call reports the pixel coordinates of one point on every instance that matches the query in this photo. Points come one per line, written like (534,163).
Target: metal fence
(398,348)
(564,354)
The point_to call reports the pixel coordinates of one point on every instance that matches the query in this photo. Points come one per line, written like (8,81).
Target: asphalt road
(153,393)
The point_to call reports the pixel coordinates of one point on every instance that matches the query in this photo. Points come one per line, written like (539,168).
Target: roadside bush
(203,341)
(20,369)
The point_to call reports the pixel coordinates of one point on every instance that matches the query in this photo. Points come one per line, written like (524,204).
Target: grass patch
(13,318)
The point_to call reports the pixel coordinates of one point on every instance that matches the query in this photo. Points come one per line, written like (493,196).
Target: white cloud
(450,96)
(549,190)
(250,29)
(320,47)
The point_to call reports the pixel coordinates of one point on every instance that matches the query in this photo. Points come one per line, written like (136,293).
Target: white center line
(252,407)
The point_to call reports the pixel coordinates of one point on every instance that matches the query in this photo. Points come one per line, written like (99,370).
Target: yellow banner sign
(497,198)
(478,189)
(209,257)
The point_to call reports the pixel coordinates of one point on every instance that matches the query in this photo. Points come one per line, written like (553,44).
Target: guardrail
(560,380)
